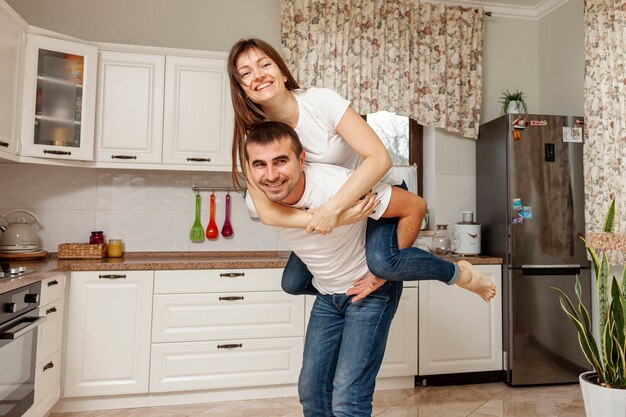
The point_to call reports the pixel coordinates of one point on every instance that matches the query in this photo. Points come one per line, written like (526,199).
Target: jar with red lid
(96,237)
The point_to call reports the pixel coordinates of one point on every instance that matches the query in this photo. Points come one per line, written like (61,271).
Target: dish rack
(82,251)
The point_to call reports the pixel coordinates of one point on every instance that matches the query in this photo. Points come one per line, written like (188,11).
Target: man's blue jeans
(384,259)
(344,347)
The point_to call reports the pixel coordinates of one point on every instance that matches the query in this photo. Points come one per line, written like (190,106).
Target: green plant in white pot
(604,389)
(513,102)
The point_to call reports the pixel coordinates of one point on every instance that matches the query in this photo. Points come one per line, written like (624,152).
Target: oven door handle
(20,330)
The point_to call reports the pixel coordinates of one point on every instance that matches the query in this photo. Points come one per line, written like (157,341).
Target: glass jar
(441,243)
(115,248)
(96,237)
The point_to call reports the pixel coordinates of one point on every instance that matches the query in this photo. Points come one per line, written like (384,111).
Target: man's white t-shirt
(336,260)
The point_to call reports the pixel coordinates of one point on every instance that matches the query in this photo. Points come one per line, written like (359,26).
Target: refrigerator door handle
(551,269)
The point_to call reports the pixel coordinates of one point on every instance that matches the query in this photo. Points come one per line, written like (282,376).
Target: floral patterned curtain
(605,113)
(416,59)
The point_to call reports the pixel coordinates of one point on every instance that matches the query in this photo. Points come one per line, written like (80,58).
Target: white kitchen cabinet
(49,346)
(458,331)
(129,114)
(11,50)
(108,335)
(224,328)
(58,103)
(401,352)
(198,120)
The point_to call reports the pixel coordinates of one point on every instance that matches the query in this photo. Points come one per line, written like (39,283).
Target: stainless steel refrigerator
(530,201)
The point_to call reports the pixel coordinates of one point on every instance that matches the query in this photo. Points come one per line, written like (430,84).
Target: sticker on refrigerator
(573,134)
(517,204)
(538,122)
(517,218)
(527,212)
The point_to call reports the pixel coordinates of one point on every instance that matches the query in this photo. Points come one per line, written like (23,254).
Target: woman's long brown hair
(247,113)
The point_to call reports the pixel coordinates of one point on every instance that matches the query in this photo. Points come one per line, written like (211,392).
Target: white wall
(192,24)
(148,210)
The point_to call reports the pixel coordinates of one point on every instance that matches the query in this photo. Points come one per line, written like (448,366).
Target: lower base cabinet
(108,335)
(458,331)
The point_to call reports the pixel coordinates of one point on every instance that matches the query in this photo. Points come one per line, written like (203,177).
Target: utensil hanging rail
(198,188)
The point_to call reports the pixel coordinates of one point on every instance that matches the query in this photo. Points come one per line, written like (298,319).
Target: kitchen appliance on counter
(468,235)
(530,202)
(21,232)
(18,348)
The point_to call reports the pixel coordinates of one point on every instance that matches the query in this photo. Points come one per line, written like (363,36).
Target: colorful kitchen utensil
(211,229)
(197,231)
(227,229)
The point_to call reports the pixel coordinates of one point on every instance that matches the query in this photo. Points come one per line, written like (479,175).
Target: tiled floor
(484,400)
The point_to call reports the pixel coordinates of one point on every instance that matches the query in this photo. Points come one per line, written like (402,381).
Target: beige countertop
(135,261)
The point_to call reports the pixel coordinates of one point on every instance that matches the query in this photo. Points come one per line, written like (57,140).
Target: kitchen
(152,210)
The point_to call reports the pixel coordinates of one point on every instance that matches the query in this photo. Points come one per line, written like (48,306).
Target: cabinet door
(198,112)
(129,115)
(108,335)
(58,99)
(10,52)
(47,386)
(401,351)
(458,331)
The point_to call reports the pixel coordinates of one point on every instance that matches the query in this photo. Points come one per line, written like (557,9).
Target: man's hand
(365,286)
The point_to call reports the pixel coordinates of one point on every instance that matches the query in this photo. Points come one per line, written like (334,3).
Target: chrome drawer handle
(51,283)
(112,276)
(232,274)
(230,346)
(51,310)
(49,365)
(232,298)
(199,159)
(123,156)
(53,152)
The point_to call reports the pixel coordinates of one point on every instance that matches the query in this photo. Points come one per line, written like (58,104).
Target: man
(345,341)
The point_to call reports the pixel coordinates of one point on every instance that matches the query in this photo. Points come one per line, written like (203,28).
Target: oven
(18,348)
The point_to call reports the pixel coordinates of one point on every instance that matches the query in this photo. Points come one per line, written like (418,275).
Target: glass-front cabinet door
(59,99)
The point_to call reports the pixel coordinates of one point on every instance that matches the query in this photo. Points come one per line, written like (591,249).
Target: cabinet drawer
(206,365)
(50,332)
(216,316)
(48,382)
(52,289)
(217,280)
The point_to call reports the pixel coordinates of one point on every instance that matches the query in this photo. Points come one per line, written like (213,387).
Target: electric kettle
(21,234)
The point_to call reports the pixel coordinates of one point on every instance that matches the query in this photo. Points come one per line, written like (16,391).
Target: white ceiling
(525,9)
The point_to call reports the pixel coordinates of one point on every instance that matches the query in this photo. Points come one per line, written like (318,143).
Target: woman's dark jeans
(384,259)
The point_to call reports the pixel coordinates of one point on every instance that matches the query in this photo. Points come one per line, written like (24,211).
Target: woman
(332,132)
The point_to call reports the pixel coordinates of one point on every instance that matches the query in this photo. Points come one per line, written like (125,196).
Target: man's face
(276,170)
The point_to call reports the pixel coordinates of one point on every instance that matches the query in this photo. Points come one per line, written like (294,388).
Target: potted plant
(604,388)
(513,102)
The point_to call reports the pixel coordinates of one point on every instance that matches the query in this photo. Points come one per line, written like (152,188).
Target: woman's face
(259,76)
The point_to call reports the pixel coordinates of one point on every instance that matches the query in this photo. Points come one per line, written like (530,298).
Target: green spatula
(197,231)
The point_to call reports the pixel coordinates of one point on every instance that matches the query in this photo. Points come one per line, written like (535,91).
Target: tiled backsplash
(148,210)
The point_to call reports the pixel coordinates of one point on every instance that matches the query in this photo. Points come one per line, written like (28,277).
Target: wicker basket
(82,251)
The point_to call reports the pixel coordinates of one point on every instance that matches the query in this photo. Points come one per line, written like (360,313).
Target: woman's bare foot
(472,280)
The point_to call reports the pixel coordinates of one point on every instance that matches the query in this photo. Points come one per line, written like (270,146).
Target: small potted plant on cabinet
(513,102)
(604,388)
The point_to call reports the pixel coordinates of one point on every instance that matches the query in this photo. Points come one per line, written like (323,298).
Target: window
(403,138)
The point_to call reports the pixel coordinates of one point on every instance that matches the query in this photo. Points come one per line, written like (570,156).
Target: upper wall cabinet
(198,122)
(58,99)
(11,35)
(129,115)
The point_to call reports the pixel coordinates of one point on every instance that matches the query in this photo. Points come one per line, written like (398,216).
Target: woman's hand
(324,219)
(361,210)
(365,286)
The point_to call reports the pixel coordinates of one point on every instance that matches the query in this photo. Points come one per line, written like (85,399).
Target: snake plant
(607,354)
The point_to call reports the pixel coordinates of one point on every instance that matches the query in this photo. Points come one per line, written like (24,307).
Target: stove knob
(31,298)
(10,307)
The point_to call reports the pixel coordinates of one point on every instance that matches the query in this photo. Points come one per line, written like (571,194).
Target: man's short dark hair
(269,132)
